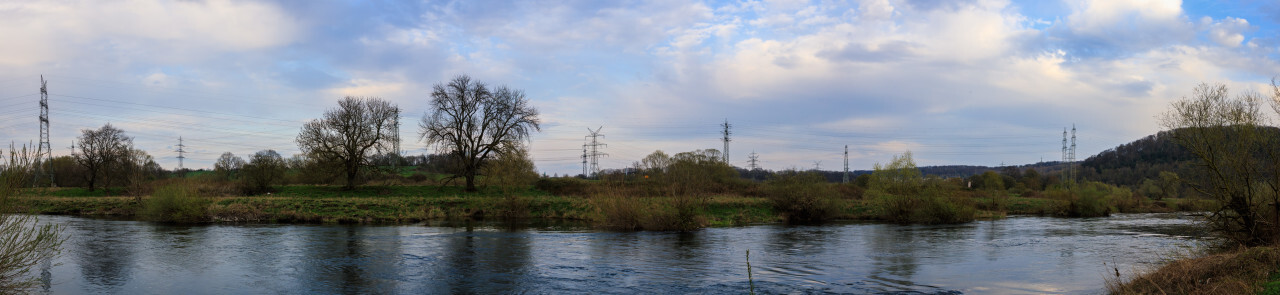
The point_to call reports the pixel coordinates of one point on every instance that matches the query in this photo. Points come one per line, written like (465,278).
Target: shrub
(803,197)
(176,203)
(938,209)
(619,212)
(933,205)
(681,213)
(1090,199)
(265,168)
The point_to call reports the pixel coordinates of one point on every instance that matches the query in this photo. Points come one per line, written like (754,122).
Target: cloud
(950,80)
(1108,28)
(50,31)
(1229,31)
(886,52)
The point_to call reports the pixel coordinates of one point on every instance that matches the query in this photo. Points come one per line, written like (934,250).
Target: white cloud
(137,30)
(1229,31)
(1105,27)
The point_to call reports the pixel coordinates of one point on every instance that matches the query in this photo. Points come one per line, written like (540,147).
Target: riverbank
(412,204)
(1240,271)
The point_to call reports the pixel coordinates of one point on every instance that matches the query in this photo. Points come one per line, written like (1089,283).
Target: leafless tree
(1228,136)
(101,150)
(228,165)
(470,122)
(351,134)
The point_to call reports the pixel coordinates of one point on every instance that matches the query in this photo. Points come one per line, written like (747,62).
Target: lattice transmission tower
(1069,156)
(181,153)
(725,137)
(44,154)
(594,155)
(846,164)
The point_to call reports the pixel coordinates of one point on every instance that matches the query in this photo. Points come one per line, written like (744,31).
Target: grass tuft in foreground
(1244,271)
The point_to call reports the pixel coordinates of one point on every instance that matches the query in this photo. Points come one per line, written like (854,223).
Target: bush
(933,205)
(176,203)
(803,197)
(619,212)
(1089,199)
(936,209)
(265,168)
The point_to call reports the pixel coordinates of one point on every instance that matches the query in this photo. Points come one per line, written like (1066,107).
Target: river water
(1015,255)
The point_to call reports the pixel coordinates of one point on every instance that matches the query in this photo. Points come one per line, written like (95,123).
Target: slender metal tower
(726,139)
(817,165)
(846,164)
(44,154)
(181,153)
(395,143)
(754,161)
(595,153)
(1071,160)
(1066,171)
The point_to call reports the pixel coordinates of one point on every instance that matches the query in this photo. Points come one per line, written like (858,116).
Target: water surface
(1014,255)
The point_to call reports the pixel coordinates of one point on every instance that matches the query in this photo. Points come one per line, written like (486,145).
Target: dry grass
(1238,272)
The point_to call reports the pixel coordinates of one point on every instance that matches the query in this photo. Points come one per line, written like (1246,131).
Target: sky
(981,82)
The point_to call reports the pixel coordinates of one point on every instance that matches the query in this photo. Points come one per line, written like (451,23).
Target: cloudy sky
(980,82)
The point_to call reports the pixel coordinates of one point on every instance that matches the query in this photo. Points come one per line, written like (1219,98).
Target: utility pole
(181,151)
(754,161)
(726,139)
(846,164)
(595,153)
(817,165)
(44,154)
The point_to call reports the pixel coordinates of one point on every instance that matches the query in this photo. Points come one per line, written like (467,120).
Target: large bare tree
(470,122)
(351,134)
(1230,138)
(101,150)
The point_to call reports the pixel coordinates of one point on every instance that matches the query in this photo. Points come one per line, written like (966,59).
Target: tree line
(470,124)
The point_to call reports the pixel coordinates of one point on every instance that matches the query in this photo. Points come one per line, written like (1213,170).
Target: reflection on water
(1015,255)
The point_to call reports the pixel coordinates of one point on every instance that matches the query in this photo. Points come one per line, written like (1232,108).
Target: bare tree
(101,150)
(228,165)
(1228,137)
(469,122)
(351,134)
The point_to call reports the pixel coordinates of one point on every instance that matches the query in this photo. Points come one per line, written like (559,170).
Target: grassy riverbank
(203,202)
(1240,271)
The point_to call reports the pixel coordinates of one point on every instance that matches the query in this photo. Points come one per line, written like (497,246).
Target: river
(1015,255)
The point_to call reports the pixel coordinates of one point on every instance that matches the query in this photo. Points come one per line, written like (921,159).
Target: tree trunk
(351,178)
(471,182)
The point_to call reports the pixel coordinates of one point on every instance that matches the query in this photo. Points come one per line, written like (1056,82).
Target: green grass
(410,204)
